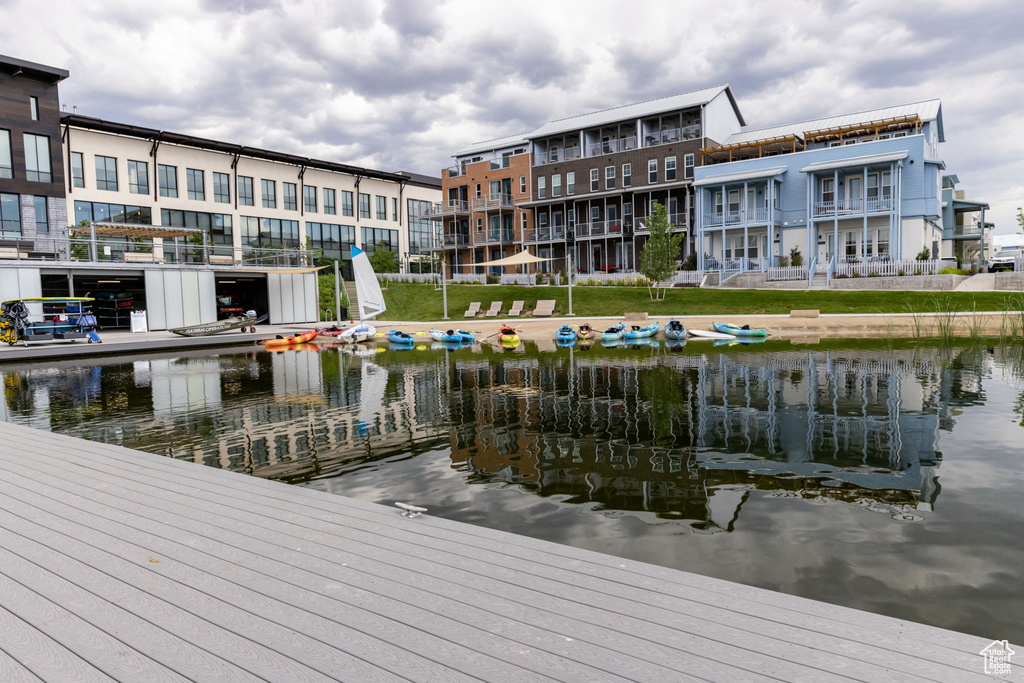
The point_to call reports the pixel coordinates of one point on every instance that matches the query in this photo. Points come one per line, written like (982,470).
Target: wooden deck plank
(251,640)
(523,578)
(182,661)
(382,582)
(27,654)
(386,571)
(923,665)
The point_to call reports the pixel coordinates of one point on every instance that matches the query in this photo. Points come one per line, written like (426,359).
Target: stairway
(819,281)
(353,299)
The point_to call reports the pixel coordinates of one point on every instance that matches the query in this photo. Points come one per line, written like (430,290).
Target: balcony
(491,202)
(450,207)
(655,138)
(555,155)
(494,237)
(611,146)
(544,233)
(455,241)
(455,172)
(600,229)
(853,206)
(680,220)
(969,231)
(756,216)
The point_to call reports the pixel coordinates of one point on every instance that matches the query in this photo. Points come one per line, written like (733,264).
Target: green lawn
(422,302)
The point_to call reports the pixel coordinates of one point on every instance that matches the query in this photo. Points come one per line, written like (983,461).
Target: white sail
(371,300)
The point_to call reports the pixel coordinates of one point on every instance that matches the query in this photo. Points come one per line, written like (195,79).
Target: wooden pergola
(876,128)
(744,150)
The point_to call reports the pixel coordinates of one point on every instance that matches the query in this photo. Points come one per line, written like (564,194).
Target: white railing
(544,233)
(556,155)
(469,277)
(653,138)
(611,146)
(409,277)
(679,220)
(493,201)
(518,279)
(624,277)
(781,273)
(887,268)
(812,268)
(853,205)
(1018,264)
(830,271)
(687,277)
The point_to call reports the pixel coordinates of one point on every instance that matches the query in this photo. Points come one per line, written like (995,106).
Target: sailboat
(371,299)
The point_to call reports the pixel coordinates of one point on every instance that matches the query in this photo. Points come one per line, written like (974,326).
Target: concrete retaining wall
(906,282)
(1012,282)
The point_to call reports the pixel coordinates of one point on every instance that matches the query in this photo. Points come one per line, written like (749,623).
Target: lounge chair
(494,310)
(545,308)
(516,310)
(473,309)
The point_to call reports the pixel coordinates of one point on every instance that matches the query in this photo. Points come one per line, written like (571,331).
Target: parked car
(1003,259)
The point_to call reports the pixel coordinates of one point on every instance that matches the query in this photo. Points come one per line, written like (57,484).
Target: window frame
(105,180)
(652,171)
(33,107)
(134,186)
(595,180)
(688,160)
(542,187)
(627,175)
(330,201)
(570,183)
(77,179)
(556,185)
(39,174)
(195,184)
(609,177)
(45,223)
(7,155)
(166,188)
(364,205)
(381,207)
(670,169)
(289,196)
(221,187)
(269,200)
(308,196)
(348,204)
(248,197)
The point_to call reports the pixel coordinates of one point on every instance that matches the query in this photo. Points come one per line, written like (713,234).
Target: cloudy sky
(402,84)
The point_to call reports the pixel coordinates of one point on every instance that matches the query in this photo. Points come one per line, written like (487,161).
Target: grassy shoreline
(416,302)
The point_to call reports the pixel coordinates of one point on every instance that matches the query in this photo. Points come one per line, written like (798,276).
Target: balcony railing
(556,155)
(456,241)
(611,146)
(967,230)
(680,220)
(493,201)
(447,208)
(600,229)
(500,236)
(121,251)
(454,171)
(753,216)
(664,137)
(544,233)
(856,205)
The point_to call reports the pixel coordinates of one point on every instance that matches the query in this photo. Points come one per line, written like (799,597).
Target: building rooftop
(929,110)
(421,179)
(12,66)
(694,98)
(496,143)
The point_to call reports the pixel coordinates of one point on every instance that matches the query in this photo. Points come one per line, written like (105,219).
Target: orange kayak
(294,339)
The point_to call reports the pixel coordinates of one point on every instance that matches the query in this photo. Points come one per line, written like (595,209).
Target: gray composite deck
(128,566)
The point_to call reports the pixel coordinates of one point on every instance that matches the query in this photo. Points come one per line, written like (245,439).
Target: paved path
(981,282)
(117,565)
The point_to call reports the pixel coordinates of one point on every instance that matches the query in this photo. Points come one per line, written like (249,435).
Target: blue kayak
(565,334)
(674,330)
(738,331)
(396,337)
(642,332)
(466,337)
(614,333)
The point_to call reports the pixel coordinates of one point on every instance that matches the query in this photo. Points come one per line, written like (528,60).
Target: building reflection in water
(678,436)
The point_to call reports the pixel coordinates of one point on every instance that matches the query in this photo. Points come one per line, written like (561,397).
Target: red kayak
(294,339)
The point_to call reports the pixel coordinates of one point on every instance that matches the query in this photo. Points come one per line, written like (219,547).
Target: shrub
(796,257)
(924,255)
(540,277)
(856,274)
(901,273)
(493,279)
(874,275)
(783,262)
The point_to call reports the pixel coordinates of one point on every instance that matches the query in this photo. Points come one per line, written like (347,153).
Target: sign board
(106,250)
(139,322)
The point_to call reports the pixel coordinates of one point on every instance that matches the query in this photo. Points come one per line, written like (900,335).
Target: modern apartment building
(854,188)
(583,185)
(180,222)
(481,212)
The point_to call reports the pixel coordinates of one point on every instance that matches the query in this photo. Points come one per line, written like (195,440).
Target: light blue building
(862,188)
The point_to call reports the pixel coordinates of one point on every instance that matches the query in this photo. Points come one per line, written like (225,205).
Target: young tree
(1020,219)
(658,258)
(383,259)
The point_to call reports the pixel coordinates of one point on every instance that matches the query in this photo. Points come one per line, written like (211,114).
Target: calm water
(886,480)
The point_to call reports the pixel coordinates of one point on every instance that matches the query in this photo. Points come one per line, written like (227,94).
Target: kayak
(358,333)
(465,337)
(585,331)
(744,331)
(508,335)
(674,330)
(704,334)
(293,339)
(400,346)
(614,333)
(565,334)
(739,341)
(645,331)
(396,337)
(436,335)
(296,347)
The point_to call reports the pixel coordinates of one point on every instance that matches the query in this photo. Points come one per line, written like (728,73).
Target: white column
(864,208)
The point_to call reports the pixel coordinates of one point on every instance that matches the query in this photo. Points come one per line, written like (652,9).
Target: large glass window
(336,242)
(329,205)
(42,224)
(10,215)
(37,159)
(309,198)
(6,160)
(112,213)
(216,225)
(138,177)
(373,237)
(364,205)
(269,188)
(291,199)
(394,209)
(245,193)
(382,208)
(221,188)
(167,179)
(196,184)
(269,232)
(420,227)
(106,173)
(346,203)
